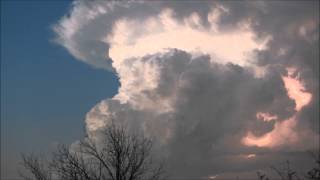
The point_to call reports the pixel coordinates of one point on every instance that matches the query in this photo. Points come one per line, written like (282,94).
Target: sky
(45,92)
(225,88)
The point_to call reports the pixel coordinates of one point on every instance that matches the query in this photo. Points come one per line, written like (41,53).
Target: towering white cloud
(219,85)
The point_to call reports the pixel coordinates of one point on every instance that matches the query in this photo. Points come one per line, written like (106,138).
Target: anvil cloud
(222,86)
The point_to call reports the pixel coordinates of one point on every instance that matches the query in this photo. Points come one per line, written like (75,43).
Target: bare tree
(287,173)
(37,168)
(72,165)
(262,176)
(120,156)
(124,156)
(314,173)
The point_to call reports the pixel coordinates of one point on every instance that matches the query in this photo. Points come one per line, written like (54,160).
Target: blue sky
(45,93)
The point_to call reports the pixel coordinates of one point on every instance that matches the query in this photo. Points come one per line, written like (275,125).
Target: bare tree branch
(120,156)
(36,167)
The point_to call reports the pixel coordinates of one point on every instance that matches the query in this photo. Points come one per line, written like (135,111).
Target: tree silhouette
(314,173)
(119,156)
(262,176)
(286,173)
(36,167)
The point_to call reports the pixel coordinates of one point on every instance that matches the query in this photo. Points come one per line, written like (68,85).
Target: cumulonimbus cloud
(217,84)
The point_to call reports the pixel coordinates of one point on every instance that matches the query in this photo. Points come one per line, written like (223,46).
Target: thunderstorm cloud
(222,86)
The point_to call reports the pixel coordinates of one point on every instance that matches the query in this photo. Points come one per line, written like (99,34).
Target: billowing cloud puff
(199,110)
(92,27)
(221,86)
